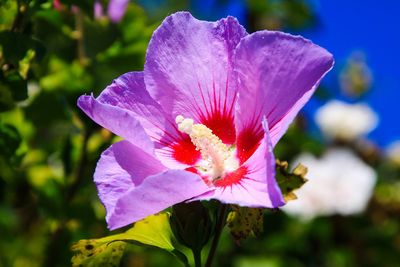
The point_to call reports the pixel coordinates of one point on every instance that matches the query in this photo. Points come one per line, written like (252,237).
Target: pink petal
(129,92)
(126,108)
(277,75)
(156,193)
(121,168)
(254,184)
(119,121)
(188,70)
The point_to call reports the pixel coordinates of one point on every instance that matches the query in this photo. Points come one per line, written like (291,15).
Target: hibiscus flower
(200,122)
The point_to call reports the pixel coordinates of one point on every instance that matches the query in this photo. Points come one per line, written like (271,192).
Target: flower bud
(191,224)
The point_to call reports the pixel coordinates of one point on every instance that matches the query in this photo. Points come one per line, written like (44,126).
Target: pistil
(210,146)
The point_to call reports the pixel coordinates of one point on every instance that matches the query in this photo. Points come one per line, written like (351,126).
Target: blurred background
(51,52)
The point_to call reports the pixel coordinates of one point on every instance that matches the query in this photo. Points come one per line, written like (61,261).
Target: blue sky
(374,28)
(347,26)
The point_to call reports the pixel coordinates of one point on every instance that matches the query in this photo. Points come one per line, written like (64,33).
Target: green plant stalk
(197,257)
(220,224)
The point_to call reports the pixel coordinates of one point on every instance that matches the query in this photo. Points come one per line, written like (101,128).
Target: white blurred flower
(345,121)
(338,183)
(393,152)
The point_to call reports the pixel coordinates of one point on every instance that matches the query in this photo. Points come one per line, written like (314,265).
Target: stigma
(217,157)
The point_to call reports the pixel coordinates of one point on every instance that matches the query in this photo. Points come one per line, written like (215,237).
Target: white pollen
(179,119)
(184,125)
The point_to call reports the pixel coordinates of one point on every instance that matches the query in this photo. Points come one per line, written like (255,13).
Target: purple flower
(116,9)
(200,122)
(98,9)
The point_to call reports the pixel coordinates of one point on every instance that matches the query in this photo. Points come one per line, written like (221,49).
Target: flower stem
(79,35)
(53,252)
(18,23)
(221,219)
(81,165)
(197,257)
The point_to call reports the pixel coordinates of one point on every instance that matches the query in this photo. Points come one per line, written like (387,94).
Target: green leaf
(182,257)
(66,76)
(13,88)
(98,37)
(245,222)
(25,63)
(6,99)
(16,45)
(8,10)
(290,181)
(9,140)
(17,84)
(51,16)
(152,231)
(38,110)
(94,252)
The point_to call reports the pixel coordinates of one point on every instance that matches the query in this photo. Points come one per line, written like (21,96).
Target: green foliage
(152,231)
(61,73)
(86,6)
(13,88)
(276,14)
(9,141)
(245,222)
(289,181)
(94,252)
(16,45)
(17,52)
(297,140)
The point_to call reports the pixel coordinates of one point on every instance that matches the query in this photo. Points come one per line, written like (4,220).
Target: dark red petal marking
(247,142)
(232,178)
(222,125)
(218,113)
(192,169)
(185,152)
